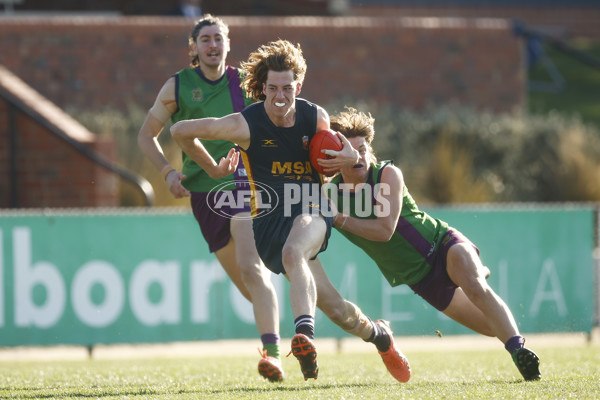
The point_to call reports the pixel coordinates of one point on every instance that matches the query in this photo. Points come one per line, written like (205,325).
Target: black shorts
(271,232)
(436,287)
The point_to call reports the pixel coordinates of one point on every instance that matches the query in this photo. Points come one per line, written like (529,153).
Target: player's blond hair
(206,20)
(276,56)
(353,123)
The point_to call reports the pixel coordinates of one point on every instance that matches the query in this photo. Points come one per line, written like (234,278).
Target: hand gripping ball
(323,140)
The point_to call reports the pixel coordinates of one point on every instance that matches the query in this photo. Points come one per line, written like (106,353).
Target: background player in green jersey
(275,131)
(210,88)
(410,247)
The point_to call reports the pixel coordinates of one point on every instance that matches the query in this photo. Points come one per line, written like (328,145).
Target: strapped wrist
(172,170)
(167,169)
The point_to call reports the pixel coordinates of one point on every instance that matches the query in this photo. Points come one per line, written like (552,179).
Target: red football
(325,139)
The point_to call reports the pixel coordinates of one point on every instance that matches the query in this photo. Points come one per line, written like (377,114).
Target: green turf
(485,374)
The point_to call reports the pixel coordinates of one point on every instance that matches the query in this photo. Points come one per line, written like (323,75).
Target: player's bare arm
(389,206)
(164,106)
(322,119)
(232,127)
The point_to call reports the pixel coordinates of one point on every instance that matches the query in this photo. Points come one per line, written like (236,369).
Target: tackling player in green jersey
(410,247)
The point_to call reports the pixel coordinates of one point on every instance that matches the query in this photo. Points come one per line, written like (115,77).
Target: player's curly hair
(206,20)
(353,123)
(276,56)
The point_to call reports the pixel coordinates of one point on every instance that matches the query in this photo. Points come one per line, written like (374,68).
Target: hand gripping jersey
(407,257)
(276,160)
(197,97)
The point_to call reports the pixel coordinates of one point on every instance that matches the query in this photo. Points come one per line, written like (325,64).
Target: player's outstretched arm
(387,210)
(232,127)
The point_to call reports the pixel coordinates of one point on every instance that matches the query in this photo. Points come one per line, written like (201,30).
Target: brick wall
(571,20)
(91,63)
(169,7)
(575,17)
(39,168)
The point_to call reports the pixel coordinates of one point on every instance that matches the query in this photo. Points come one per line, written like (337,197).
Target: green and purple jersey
(407,257)
(197,97)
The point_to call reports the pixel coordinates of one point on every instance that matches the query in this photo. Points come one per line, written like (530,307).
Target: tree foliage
(455,154)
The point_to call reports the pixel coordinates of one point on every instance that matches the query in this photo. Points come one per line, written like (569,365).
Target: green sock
(272,350)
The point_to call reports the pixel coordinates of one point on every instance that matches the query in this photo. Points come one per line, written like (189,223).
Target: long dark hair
(206,20)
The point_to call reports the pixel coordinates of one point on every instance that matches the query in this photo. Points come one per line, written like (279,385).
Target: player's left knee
(291,256)
(478,291)
(251,272)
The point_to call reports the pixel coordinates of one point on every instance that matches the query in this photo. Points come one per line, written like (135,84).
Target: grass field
(450,372)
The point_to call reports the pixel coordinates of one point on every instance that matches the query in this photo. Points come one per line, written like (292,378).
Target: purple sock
(514,343)
(270,338)
(271,344)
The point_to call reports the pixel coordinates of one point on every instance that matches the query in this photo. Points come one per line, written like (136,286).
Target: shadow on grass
(284,388)
(34,393)
(53,393)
